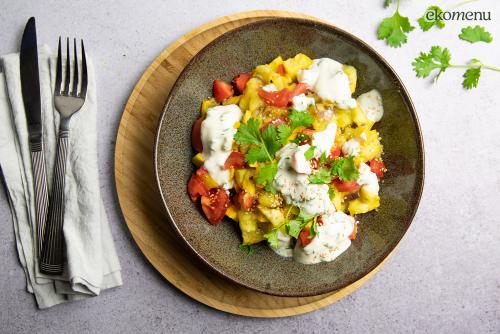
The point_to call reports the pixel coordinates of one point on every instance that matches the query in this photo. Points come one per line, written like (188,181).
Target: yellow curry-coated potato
(232,100)
(275,216)
(344,117)
(351,73)
(207,103)
(360,119)
(269,200)
(250,230)
(250,100)
(370,147)
(198,160)
(243,179)
(338,201)
(366,202)
(295,64)
(232,212)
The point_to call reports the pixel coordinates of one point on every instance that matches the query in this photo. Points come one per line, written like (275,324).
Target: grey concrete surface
(445,275)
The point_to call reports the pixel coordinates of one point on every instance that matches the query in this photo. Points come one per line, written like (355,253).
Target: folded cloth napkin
(91,261)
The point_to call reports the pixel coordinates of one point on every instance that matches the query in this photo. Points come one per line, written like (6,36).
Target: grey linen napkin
(91,261)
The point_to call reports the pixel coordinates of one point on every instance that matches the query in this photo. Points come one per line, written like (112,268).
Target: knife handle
(41,193)
(51,261)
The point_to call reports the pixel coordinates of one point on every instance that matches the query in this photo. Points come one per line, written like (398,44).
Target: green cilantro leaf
(387,3)
(293,227)
(323,159)
(476,34)
(301,138)
(247,249)
(471,77)
(393,29)
(309,154)
(248,133)
(266,173)
(271,140)
(431,18)
(314,228)
(437,58)
(331,193)
(256,154)
(284,132)
(345,169)
(322,176)
(272,238)
(300,118)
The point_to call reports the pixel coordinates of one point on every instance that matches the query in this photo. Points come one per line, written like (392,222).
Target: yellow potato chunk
(295,64)
(198,160)
(351,73)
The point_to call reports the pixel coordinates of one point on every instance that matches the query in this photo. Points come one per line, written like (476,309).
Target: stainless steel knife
(30,87)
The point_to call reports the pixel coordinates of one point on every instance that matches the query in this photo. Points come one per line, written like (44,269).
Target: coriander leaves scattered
(248,249)
(439,59)
(300,118)
(475,34)
(321,176)
(272,238)
(431,18)
(309,154)
(394,29)
(345,169)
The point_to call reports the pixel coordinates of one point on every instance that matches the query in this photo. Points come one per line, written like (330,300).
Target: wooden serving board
(141,203)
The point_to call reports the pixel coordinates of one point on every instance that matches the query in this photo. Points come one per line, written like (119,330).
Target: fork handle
(41,193)
(51,261)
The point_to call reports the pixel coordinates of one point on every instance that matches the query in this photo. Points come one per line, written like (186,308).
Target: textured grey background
(445,275)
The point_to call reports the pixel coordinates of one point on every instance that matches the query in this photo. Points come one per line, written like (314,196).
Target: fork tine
(58,69)
(68,71)
(75,70)
(83,90)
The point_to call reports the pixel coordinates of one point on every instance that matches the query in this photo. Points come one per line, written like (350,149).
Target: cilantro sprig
(294,226)
(475,34)
(248,249)
(343,168)
(394,29)
(428,21)
(439,59)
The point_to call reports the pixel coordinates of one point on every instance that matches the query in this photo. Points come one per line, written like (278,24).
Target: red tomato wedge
(196,187)
(235,160)
(282,98)
(245,200)
(222,90)
(281,69)
(196,136)
(304,238)
(215,204)
(240,81)
(346,186)
(335,152)
(352,236)
(378,167)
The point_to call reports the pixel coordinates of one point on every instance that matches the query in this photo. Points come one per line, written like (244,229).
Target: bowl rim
(406,98)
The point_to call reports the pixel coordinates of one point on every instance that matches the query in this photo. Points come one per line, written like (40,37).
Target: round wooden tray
(141,203)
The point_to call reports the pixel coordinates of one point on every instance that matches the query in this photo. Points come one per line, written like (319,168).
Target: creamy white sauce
(312,199)
(217,132)
(269,88)
(328,80)
(331,241)
(371,103)
(368,179)
(299,162)
(302,102)
(323,140)
(351,147)
(285,248)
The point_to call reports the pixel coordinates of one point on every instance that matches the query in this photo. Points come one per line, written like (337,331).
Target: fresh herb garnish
(301,137)
(393,29)
(323,159)
(309,154)
(331,193)
(300,118)
(439,59)
(426,23)
(345,169)
(284,132)
(294,226)
(266,174)
(248,249)
(321,176)
(476,34)
(272,238)
(314,228)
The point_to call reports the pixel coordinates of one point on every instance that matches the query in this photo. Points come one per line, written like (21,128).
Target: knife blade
(30,89)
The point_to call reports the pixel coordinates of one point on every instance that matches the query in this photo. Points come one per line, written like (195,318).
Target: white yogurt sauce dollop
(312,199)
(323,140)
(285,248)
(368,179)
(302,102)
(371,103)
(217,132)
(269,88)
(351,147)
(328,80)
(331,241)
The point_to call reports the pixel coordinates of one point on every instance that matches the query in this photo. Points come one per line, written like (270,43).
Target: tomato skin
(235,160)
(282,98)
(378,167)
(196,188)
(222,90)
(304,238)
(240,81)
(335,152)
(215,204)
(352,236)
(245,200)
(346,186)
(308,132)
(196,136)
(281,69)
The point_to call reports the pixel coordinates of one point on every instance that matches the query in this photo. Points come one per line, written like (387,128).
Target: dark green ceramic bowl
(241,50)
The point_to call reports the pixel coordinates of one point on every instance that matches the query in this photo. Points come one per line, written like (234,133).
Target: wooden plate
(141,203)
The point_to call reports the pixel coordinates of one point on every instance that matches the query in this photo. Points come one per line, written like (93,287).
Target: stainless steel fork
(67,103)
